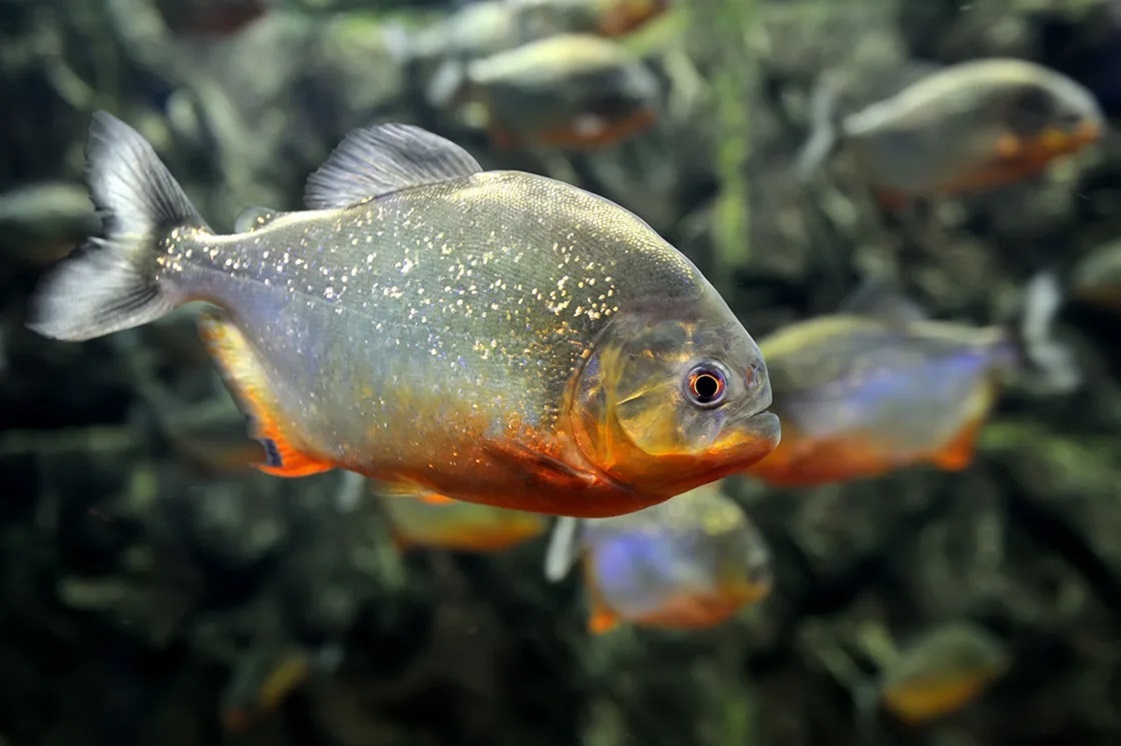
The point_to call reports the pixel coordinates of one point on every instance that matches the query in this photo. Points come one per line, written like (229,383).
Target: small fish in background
(485,28)
(970,126)
(496,337)
(878,387)
(939,673)
(212,18)
(1096,278)
(691,562)
(434,521)
(264,678)
(570,92)
(607,18)
(42,223)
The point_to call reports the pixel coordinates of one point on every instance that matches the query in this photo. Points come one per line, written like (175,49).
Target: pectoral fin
(545,467)
(242,372)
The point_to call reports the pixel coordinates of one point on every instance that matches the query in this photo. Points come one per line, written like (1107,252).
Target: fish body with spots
(490,336)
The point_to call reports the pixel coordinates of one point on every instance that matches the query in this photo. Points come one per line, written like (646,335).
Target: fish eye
(705,385)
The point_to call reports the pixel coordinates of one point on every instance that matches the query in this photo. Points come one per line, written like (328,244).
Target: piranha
(940,672)
(480,29)
(688,563)
(265,677)
(879,386)
(571,91)
(969,126)
(437,522)
(490,336)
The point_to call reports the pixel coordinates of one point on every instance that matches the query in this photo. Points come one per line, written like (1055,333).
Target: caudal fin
(823,130)
(1042,352)
(110,283)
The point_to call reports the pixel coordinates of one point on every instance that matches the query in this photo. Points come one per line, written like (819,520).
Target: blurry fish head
(1047,117)
(674,396)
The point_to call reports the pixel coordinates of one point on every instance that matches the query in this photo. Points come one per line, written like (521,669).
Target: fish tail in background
(110,283)
(563,549)
(866,698)
(1034,335)
(400,42)
(447,84)
(824,124)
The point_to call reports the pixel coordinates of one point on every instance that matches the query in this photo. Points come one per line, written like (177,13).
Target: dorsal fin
(374,161)
(252,218)
(882,300)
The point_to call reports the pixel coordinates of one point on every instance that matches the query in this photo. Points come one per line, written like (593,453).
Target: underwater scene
(560,372)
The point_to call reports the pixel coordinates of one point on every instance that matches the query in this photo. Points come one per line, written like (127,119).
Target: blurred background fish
(568,92)
(687,563)
(437,522)
(940,671)
(42,223)
(878,387)
(975,125)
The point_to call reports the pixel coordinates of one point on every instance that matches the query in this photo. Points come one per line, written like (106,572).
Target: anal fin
(247,381)
(958,453)
(601,619)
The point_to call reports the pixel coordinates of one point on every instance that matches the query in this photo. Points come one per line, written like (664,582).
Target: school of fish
(491,349)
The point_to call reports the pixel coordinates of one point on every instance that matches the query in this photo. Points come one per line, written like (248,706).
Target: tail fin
(823,130)
(447,85)
(110,283)
(1034,335)
(866,701)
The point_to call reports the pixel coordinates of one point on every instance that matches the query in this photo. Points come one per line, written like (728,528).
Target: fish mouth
(759,434)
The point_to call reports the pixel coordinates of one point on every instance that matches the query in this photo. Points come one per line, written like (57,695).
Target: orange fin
(435,498)
(243,375)
(958,454)
(601,619)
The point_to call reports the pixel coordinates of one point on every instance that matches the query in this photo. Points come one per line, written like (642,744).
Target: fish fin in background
(866,701)
(374,161)
(1034,335)
(400,42)
(110,283)
(883,300)
(959,452)
(447,84)
(600,618)
(244,376)
(824,123)
(253,217)
(564,548)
